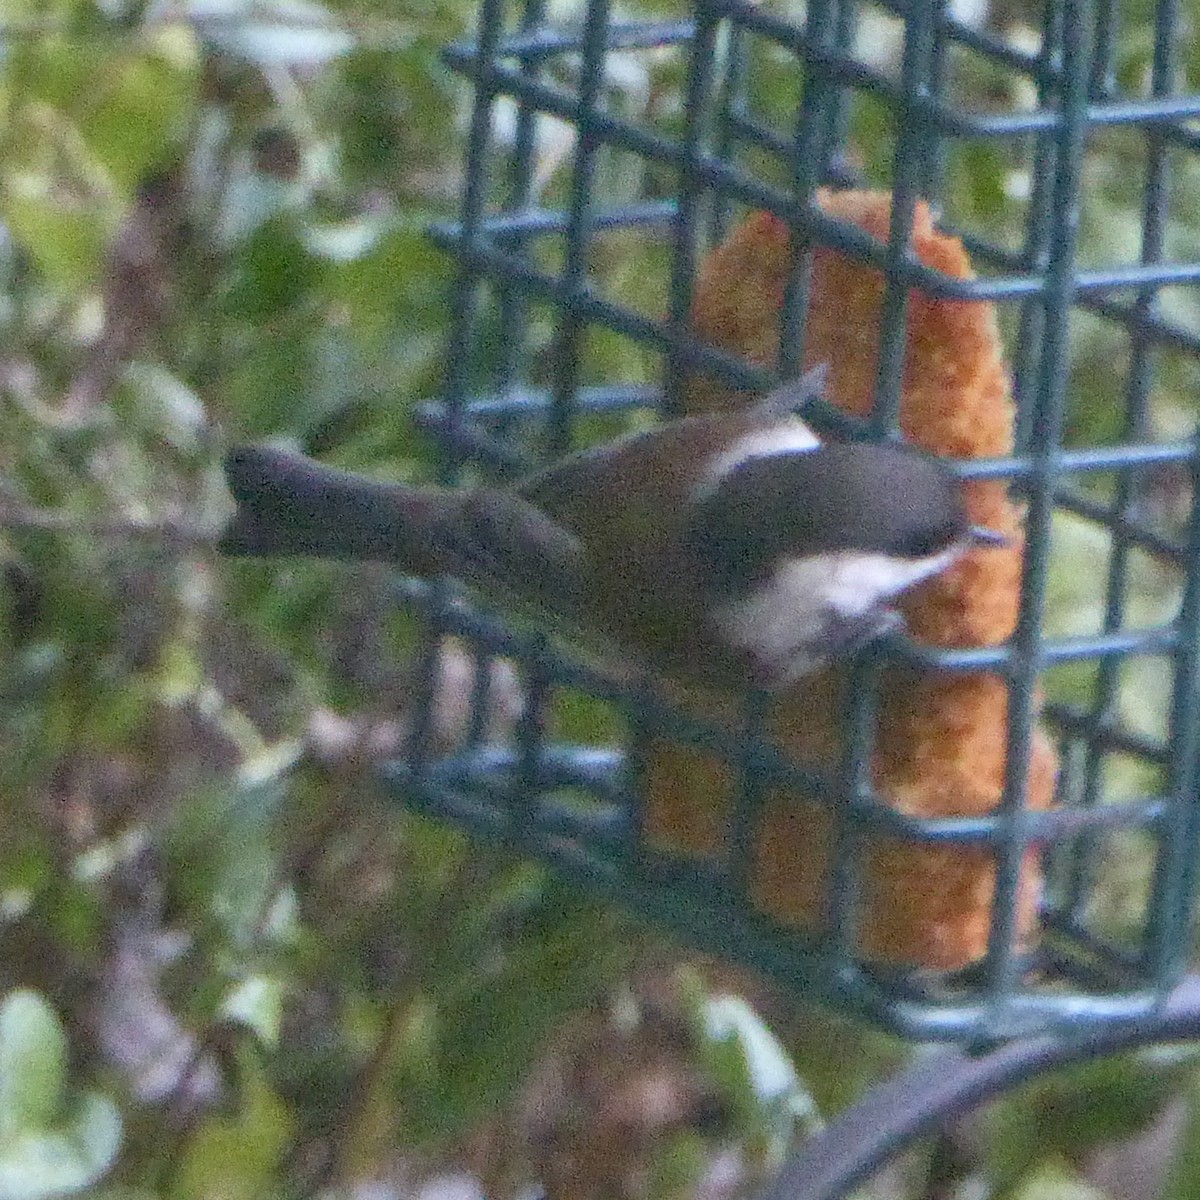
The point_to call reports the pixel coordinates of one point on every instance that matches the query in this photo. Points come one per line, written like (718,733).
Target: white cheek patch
(785,624)
(859,582)
(789,436)
(777,621)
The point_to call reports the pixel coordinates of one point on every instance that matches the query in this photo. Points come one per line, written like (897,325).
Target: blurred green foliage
(50,1143)
(227,967)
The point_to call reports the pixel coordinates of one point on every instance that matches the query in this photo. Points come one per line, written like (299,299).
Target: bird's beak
(981,535)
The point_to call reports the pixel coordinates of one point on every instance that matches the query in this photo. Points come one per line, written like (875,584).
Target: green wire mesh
(528,301)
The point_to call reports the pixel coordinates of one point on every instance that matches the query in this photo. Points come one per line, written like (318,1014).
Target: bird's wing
(498,540)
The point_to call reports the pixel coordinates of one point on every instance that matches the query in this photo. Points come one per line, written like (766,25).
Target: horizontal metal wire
(692,903)
(1167,115)
(480,778)
(601,774)
(544,41)
(579,808)
(938,1088)
(532,404)
(1011,287)
(1106,734)
(493,260)
(473,441)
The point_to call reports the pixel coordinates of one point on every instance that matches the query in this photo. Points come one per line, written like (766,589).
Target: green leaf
(166,407)
(275,272)
(257,1003)
(62,237)
(229,1158)
(754,1071)
(981,171)
(47,1147)
(678,1167)
(145,101)
(400,283)
(480,1030)
(1183,1177)
(53,70)
(38,1164)
(1056,1181)
(1071,1111)
(33,1057)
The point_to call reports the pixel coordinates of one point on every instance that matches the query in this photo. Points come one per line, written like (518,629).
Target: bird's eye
(923,543)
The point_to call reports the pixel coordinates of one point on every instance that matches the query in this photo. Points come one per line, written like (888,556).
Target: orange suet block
(941,738)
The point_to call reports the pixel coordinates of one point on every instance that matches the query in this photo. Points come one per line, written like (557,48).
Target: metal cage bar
(530,250)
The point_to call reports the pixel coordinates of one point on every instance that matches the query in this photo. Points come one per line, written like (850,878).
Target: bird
(731,550)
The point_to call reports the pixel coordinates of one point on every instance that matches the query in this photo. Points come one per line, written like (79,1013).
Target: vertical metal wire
(685,227)
(1172,894)
(464,319)
(1104,54)
(860,709)
(483,695)
(572,328)
(909,169)
(731,104)
(465,297)
(634,777)
(861,699)
(1035,255)
(837,108)
(933,176)
(418,746)
(751,784)
(514,299)
(854,788)
(811,147)
(1078,19)
(1080,41)
(531,744)
(1155,202)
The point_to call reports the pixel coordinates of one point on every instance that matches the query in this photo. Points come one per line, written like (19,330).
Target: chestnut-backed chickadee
(733,549)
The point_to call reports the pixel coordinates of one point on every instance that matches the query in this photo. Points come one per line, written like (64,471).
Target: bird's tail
(290,505)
